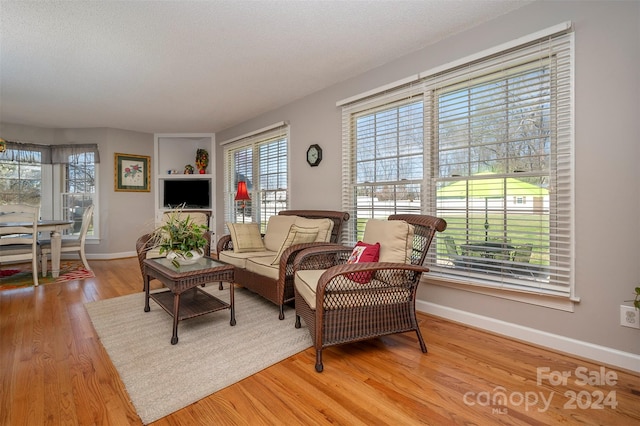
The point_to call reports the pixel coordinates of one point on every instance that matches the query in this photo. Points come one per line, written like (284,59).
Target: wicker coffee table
(184,299)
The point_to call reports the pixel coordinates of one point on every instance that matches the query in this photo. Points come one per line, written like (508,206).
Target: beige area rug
(210,355)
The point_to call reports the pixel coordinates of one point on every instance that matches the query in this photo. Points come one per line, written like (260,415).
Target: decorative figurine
(188,169)
(202,160)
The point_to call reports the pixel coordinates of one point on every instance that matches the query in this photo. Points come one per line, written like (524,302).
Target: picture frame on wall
(132,172)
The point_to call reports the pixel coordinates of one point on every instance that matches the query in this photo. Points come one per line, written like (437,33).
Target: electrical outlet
(629,316)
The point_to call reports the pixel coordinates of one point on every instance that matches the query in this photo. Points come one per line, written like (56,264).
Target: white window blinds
(496,161)
(261,160)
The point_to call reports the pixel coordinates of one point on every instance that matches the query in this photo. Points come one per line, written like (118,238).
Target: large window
(79,189)
(487,146)
(260,160)
(61,179)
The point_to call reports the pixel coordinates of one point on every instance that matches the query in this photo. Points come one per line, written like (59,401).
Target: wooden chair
(69,245)
(521,260)
(452,251)
(19,241)
(338,310)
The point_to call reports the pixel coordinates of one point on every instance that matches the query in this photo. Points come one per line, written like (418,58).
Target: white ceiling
(202,66)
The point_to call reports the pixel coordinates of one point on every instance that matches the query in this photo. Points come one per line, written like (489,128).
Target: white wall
(607,81)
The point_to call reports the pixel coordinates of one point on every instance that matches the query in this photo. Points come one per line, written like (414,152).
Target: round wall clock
(314,155)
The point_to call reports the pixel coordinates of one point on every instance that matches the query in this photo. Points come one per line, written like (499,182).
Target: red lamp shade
(242,193)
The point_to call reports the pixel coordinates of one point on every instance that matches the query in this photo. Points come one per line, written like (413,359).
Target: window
(261,160)
(486,145)
(21,173)
(79,190)
(65,195)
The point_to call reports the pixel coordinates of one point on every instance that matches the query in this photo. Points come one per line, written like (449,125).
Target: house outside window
(261,160)
(488,147)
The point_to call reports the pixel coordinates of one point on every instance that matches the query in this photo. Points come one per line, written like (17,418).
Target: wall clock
(314,155)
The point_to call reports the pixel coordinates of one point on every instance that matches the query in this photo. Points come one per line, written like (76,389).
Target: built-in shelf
(173,152)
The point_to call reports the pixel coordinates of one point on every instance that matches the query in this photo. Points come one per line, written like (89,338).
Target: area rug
(210,354)
(20,276)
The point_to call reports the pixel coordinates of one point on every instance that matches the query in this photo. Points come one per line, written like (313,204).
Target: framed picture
(132,172)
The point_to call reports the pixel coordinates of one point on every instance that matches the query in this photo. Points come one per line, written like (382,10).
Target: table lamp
(242,195)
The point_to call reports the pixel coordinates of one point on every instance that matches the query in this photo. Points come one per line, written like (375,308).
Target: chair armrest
(288,256)
(224,243)
(321,256)
(389,276)
(208,235)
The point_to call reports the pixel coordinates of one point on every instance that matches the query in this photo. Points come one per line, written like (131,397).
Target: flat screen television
(193,193)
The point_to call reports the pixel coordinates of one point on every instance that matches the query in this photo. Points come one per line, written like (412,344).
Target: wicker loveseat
(268,271)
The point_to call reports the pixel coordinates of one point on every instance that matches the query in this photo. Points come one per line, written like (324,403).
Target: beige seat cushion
(239,260)
(395,238)
(262,265)
(246,237)
(306,282)
(324,226)
(277,231)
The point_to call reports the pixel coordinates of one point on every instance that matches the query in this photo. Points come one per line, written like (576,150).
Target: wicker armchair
(345,311)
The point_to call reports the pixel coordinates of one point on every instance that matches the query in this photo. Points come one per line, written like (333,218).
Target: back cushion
(324,226)
(196,217)
(395,238)
(277,231)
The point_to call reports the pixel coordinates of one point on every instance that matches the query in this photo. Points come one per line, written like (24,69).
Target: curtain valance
(47,154)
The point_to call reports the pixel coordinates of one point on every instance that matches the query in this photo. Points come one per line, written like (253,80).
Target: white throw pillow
(296,235)
(246,237)
(395,238)
(325,226)
(277,231)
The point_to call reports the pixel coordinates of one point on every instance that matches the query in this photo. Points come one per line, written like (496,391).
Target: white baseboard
(613,357)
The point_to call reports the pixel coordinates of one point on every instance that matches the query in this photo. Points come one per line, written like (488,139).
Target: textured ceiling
(201,66)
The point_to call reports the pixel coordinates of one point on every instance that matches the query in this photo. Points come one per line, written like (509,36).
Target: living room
(606,202)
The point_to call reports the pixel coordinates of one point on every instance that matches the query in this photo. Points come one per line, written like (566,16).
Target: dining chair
(521,260)
(19,235)
(452,251)
(69,245)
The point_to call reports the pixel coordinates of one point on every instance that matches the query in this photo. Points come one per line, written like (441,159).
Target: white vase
(184,260)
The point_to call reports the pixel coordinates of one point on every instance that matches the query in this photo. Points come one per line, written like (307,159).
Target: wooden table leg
(232,305)
(176,313)
(56,246)
(146,293)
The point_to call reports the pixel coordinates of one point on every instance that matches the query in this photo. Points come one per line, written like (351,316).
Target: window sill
(559,302)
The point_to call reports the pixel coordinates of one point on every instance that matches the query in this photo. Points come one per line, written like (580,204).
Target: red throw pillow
(363,252)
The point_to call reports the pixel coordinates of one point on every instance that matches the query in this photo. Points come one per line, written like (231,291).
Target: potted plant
(180,238)
(202,160)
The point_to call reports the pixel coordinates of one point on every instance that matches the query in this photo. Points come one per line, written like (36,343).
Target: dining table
(55,228)
(487,255)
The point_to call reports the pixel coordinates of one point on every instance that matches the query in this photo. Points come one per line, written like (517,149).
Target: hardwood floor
(56,372)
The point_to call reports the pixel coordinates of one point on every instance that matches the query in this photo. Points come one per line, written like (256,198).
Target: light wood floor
(56,372)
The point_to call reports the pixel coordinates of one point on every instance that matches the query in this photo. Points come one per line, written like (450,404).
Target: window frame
(275,139)
(424,85)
